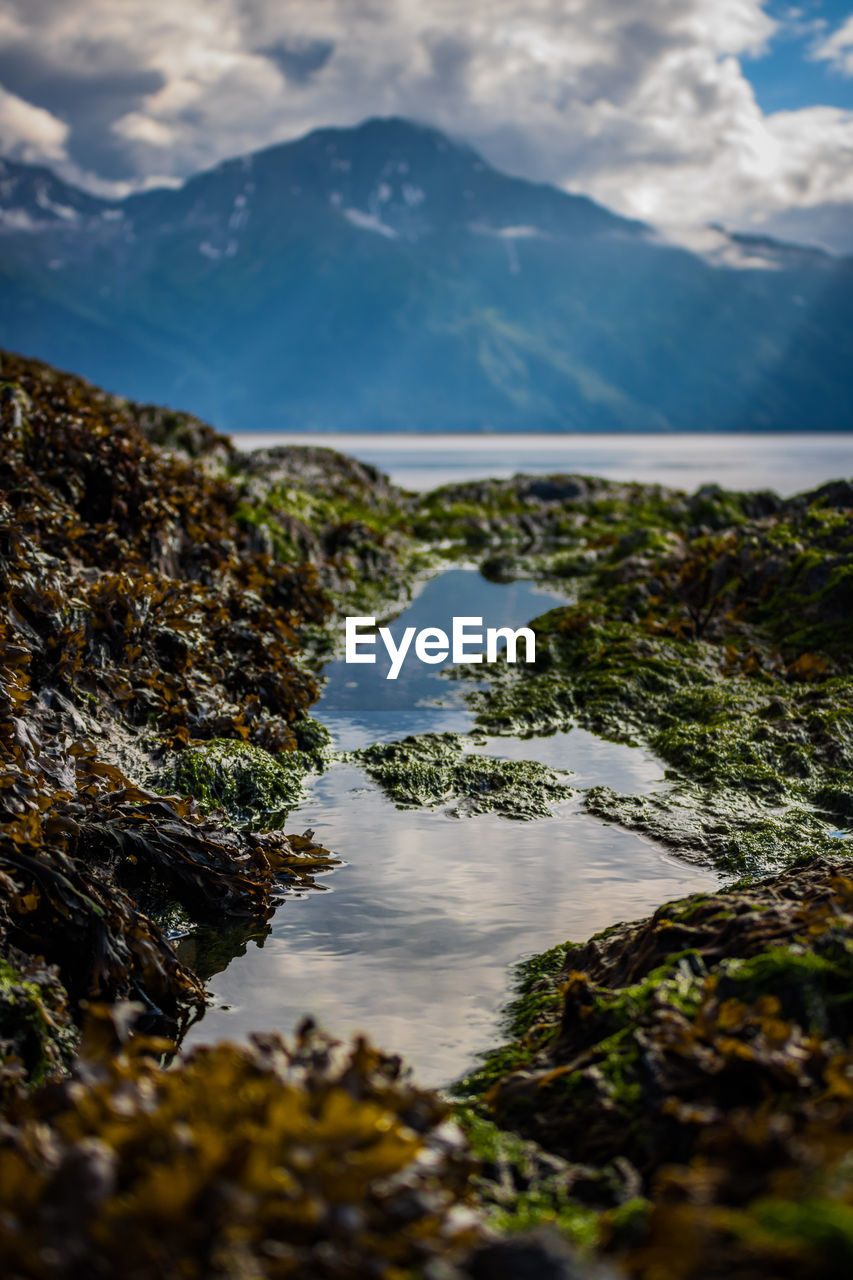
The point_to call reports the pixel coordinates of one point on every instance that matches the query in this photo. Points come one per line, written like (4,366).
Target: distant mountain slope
(34,198)
(386,277)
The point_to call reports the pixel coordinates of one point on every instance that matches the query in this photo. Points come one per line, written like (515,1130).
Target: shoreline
(784,462)
(166,619)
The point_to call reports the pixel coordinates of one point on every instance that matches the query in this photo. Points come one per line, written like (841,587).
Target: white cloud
(29,133)
(721,250)
(838,48)
(742,167)
(645,108)
(141,128)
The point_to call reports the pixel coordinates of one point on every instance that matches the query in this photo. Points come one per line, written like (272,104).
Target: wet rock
(538,1255)
(683,1078)
(703,1044)
(502,568)
(136,616)
(837,493)
(763,503)
(181,432)
(555,488)
(37,1034)
(679,641)
(318,470)
(342,515)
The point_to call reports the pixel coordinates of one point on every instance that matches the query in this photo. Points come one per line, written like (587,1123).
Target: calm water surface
(414,937)
(788,463)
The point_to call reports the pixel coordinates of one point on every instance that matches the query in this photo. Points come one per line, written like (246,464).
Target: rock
(554,488)
(500,568)
(535,1255)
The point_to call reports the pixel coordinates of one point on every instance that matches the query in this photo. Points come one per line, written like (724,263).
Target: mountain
(34,199)
(385,277)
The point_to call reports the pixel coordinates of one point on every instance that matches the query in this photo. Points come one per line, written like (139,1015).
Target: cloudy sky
(681,112)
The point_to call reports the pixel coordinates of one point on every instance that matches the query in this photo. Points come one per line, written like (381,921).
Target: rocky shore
(673,1100)
(689,1080)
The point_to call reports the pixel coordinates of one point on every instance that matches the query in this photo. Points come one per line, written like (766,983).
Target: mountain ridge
(387,277)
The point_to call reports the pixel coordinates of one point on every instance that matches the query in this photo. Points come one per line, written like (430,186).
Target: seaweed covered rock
(268,1160)
(530,516)
(341,515)
(701,1060)
(162,605)
(434,768)
(251,786)
(138,619)
(713,630)
(129,579)
(38,1038)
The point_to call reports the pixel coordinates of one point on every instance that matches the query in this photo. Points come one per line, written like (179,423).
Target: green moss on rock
(520,1186)
(253,787)
(37,1035)
(433,769)
(694,1074)
(757,748)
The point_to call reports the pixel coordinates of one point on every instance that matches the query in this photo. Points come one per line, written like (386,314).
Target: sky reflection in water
(414,938)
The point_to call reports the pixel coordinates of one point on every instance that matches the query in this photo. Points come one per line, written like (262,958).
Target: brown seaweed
(136,618)
(272,1160)
(694,1072)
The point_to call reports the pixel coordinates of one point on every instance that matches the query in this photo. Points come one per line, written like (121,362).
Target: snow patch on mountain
(369,222)
(509,233)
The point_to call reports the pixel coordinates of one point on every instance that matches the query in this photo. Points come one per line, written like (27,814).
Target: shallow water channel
(413,937)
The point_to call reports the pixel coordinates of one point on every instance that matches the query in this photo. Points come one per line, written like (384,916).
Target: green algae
(252,787)
(314,505)
(736,832)
(715,629)
(527,1021)
(700,1089)
(710,628)
(434,769)
(748,788)
(37,1035)
(611,1019)
(712,646)
(520,1186)
(533,989)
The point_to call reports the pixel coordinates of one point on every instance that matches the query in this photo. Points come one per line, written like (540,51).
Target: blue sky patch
(787,77)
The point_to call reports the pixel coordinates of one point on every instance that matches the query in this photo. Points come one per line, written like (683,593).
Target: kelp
(342,516)
(698,1067)
(128,575)
(268,1160)
(38,1037)
(137,619)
